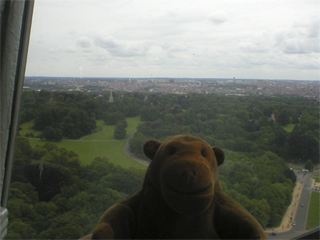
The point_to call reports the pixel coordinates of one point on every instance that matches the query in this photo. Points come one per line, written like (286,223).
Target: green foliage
(51,134)
(59,115)
(284,117)
(149,113)
(52,196)
(136,144)
(256,181)
(241,124)
(309,165)
(120,129)
(113,117)
(303,147)
(255,172)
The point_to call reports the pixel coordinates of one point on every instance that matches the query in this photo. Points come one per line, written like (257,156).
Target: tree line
(241,124)
(238,123)
(67,115)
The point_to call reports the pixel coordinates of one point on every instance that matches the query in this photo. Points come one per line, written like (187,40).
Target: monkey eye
(203,153)
(171,150)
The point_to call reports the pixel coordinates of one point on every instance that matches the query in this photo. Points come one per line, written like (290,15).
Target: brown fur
(181,198)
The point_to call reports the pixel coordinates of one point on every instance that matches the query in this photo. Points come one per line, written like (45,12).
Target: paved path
(130,154)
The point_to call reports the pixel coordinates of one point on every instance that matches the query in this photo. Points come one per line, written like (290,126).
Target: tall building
(111,97)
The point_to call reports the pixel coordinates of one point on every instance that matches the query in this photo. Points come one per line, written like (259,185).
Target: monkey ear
(150,148)
(219,155)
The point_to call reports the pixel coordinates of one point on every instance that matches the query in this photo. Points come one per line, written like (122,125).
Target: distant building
(111,97)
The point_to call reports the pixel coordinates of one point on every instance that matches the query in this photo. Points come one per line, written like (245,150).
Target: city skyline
(178,39)
(244,87)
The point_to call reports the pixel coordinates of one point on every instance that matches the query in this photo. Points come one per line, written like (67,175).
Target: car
(273,234)
(302,205)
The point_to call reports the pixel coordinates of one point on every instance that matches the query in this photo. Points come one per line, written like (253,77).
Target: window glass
(104,77)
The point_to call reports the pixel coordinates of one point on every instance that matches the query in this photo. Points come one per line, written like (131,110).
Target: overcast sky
(262,39)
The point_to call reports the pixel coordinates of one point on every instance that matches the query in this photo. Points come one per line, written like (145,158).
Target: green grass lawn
(289,127)
(317,177)
(313,215)
(87,151)
(101,144)
(107,134)
(133,123)
(27,128)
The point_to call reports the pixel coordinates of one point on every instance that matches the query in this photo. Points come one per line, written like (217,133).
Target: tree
(283,118)
(252,125)
(149,113)
(52,134)
(22,229)
(127,181)
(46,212)
(120,130)
(136,144)
(77,123)
(303,147)
(291,175)
(113,117)
(309,165)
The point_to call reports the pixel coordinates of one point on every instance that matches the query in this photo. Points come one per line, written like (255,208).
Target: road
(302,212)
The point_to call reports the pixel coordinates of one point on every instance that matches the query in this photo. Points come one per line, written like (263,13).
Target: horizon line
(199,78)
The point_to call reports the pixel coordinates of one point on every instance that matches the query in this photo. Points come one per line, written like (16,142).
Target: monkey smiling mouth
(194,192)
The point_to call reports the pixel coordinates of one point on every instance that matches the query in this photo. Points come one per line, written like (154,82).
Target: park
(102,143)
(70,137)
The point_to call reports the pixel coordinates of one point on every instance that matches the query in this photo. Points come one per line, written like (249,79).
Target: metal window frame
(16,19)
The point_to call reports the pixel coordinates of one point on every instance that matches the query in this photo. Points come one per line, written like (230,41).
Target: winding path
(130,154)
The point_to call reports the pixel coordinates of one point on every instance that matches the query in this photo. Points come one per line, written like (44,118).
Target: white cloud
(172,38)
(218,17)
(121,49)
(257,43)
(84,42)
(301,38)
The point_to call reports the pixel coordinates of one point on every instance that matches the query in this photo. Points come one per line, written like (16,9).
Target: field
(314,209)
(100,144)
(317,177)
(289,127)
(105,133)
(26,128)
